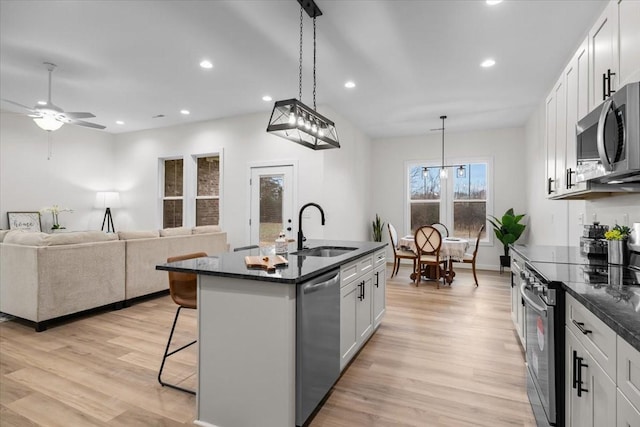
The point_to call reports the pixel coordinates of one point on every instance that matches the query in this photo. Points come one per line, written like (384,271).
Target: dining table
(452,248)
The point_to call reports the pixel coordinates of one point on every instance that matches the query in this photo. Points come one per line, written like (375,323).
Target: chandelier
(295,121)
(460,171)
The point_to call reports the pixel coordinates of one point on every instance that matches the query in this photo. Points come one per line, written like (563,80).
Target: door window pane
(207,212)
(271,207)
(172,213)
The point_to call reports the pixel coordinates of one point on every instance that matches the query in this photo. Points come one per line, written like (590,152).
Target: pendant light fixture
(295,121)
(444,173)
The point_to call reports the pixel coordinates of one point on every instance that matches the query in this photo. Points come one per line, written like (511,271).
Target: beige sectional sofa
(47,276)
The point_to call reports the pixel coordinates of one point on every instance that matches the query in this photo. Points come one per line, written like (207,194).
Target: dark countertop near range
(299,269)
(615,304)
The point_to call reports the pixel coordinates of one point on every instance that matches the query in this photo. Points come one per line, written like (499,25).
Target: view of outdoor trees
(468,201)
(271,192)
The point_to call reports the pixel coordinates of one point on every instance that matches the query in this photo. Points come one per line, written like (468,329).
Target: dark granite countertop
(596,285)
(300,268)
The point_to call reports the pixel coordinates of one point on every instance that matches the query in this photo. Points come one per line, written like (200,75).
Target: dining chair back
(471,258)
(399,253)
(183,288)
(444,231)
(428,242)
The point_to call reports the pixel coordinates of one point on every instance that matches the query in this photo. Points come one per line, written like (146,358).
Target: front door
(272,203)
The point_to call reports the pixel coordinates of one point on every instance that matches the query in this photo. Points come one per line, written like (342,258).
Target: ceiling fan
(51,117)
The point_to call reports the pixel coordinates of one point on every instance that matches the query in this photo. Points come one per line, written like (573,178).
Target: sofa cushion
(132,235)
(3,233)
(178,231)
(75,237)
(202,229)
(27,238)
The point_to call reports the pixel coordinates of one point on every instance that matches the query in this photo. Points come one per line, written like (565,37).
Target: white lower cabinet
(362,302)
(602,372)
(590,395)
(517,305)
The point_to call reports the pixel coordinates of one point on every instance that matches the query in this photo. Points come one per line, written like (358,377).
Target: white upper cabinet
(603,42)
(629,41)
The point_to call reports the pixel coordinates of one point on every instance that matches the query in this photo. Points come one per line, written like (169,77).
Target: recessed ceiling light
(206,64)
(488,63)
(185,112)
(42,102)
(493,2)
(119,122)
(267,98)
(349,85)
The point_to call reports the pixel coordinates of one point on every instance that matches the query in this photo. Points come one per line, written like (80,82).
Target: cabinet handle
(569,183)
(580,326)
(609,90)
(580,366)
(604,86)
(363,282)
(549,181)
(575,369)
(360,291)
(377,278)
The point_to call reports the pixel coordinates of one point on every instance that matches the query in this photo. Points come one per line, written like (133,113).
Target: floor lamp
(107,200)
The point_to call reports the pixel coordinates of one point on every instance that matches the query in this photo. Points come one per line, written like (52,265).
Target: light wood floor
(446,357)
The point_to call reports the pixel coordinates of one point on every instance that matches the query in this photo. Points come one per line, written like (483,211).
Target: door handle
(602,150)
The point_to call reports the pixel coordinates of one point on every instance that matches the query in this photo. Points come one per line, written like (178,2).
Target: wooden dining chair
(444,231)
(471,258)
(398,253)
(428,241)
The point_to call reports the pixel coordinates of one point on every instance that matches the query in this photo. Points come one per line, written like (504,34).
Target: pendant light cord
(300,67)
(443,117)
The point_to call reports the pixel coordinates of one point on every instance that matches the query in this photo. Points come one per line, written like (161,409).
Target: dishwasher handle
(529,302)
(312,287)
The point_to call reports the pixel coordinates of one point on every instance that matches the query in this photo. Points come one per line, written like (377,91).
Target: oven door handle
(536,307)
(602,151)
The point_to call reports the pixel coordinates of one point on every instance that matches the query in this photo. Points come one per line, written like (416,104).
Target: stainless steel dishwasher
(317,341)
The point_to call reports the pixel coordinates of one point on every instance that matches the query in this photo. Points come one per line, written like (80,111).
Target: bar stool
(183,289)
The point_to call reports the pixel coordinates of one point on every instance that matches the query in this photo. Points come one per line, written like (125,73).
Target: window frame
(446,192)
(161,185)
(193,187)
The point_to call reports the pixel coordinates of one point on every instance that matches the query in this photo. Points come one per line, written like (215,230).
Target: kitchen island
(250,325)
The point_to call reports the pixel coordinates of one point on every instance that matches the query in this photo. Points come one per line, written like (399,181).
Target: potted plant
(508,230)
(377,229)
(617,240)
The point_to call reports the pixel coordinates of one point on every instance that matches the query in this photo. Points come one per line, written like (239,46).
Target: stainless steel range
(544,316)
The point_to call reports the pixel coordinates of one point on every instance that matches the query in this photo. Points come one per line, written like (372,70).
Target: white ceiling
(412,60)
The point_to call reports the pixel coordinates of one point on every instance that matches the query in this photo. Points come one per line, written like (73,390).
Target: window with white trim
(172,193)
(207,200)
(460,201)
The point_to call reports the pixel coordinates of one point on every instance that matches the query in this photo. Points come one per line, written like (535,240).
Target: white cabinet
(362,302)
(379,304)
(629,41)
(551,106)
(603,48)
(590,394)
(517,304)
(602,372)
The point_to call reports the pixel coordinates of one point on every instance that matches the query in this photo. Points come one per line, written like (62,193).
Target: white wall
(336,179)
(82,163)
(504,146)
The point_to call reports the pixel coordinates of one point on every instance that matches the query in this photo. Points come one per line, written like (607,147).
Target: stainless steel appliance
(543,325)
(608,139)
(317,341)
(634,246)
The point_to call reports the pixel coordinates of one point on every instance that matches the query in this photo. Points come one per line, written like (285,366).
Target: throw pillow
(202,229)
(178,231)
(132,235)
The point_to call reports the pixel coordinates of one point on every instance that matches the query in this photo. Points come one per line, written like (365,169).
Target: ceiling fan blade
(79,115)
(19,105)
(86,124)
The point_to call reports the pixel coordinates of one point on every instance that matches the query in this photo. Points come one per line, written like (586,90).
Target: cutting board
(269,263)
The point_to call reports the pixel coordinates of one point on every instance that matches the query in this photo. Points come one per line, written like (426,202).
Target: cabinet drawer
(380,257)
(349,272)
(628,379)
(627,415)
(365,264)
(596,337)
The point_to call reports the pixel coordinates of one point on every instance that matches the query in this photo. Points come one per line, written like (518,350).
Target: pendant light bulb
(300,121)
(307,124)
(314,127)
(292,118)
(443,173)
(425,172)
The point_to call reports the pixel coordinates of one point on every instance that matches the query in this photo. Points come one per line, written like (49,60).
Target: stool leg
(167,354)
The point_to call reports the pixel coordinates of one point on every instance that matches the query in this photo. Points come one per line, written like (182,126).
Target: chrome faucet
(301,237)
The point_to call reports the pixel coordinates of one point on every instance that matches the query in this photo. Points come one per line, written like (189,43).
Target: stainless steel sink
(325,251)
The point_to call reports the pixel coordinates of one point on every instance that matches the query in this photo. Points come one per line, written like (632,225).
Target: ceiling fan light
(48,123)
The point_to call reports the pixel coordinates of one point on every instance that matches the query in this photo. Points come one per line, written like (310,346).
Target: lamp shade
(107,199)
(48,122)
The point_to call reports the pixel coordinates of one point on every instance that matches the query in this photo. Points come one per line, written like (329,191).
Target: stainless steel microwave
(608,139)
